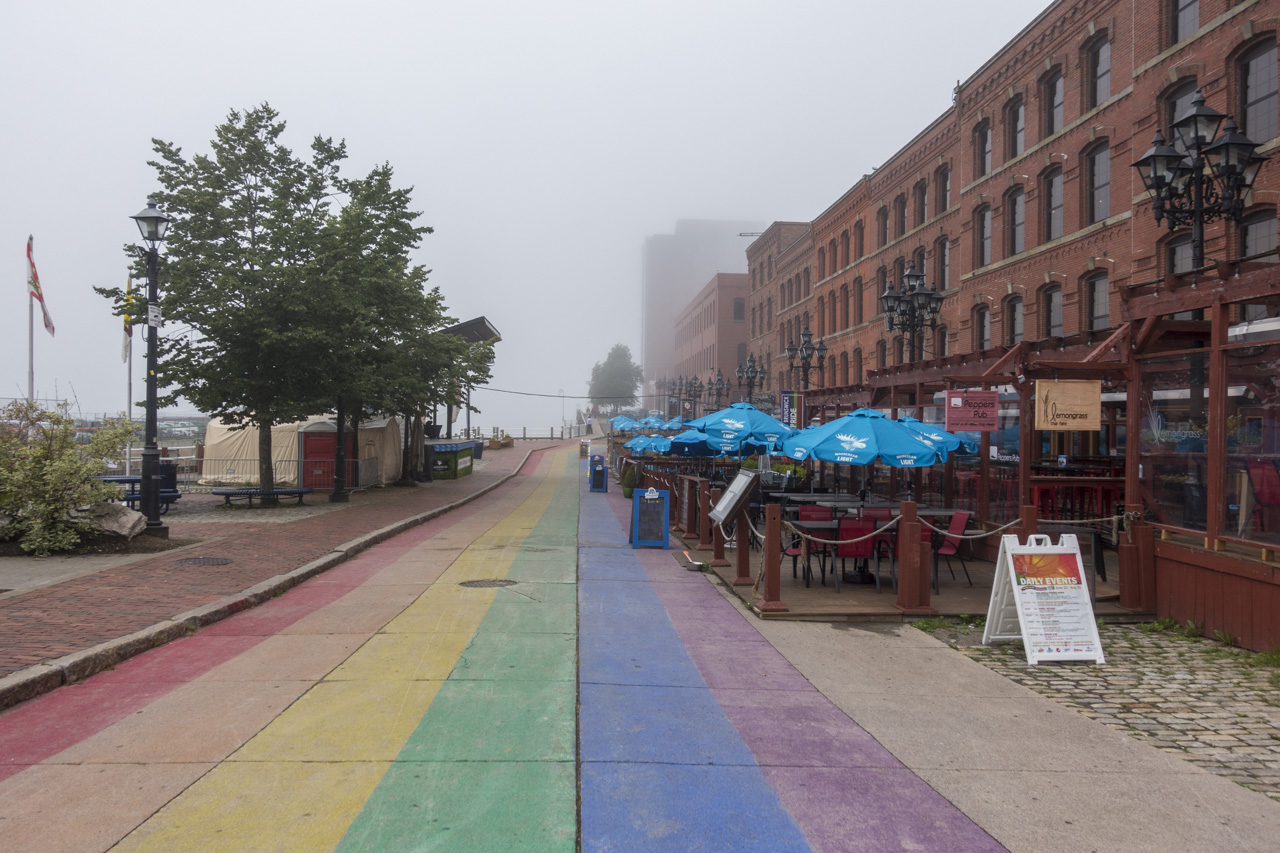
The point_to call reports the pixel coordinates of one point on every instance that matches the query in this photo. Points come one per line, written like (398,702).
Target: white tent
(230,455)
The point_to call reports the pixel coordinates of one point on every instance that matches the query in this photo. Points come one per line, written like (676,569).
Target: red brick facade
(713,328)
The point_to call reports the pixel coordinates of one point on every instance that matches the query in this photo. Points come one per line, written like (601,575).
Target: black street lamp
(1182,190)
(911,309)
(748,373)
(153,224)
(695,394)
(716,385)
(807,353)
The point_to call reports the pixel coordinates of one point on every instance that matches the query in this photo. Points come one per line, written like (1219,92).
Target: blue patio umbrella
(654,422)
(649,444)
(675,423)
(624,423)
(949,442)
(693,442)
(863,437)
(743,421)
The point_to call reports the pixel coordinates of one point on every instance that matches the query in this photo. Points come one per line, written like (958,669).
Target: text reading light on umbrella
(863,437)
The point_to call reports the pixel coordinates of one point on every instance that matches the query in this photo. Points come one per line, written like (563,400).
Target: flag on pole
(128,325)
(33,286)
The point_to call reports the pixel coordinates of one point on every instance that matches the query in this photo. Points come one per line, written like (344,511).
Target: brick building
(1021,205)
(711,332)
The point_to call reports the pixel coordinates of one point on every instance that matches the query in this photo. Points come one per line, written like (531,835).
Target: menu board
(650,514)
(1040,589)
(734,499)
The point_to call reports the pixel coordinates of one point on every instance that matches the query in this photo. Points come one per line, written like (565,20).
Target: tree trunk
(266,470)
(407,428)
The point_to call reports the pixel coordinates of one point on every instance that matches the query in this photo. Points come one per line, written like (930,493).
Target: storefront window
(1174,411)
(1253,443)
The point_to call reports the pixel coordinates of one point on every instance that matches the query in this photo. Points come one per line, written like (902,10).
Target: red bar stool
(1044,498)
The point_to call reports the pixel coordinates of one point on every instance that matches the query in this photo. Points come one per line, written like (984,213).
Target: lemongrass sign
(1040,597)
(1069,404)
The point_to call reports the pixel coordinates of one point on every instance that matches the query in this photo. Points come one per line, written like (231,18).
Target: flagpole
(31,347)
(128,458)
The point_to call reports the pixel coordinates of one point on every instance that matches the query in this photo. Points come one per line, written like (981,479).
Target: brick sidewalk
(79,614)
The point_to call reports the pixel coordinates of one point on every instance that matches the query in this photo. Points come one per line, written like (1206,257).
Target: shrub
(45,477)
(629,477)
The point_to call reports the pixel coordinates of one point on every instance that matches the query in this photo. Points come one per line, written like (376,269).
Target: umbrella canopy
(654,421)
(743,421)
(949,442)
(863,437)
(648,444)
(624,423)
(693,442)
(675,423)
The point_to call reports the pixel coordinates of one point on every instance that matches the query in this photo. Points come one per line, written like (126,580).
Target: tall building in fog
(674,268)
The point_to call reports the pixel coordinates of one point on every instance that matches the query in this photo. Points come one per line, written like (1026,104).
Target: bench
(132,497)
(249,494)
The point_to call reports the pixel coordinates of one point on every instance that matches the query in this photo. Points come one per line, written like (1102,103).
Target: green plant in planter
(628,481)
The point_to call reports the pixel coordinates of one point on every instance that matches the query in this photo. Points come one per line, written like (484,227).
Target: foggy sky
(544,141)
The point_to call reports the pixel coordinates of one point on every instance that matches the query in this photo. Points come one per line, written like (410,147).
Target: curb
(46,676)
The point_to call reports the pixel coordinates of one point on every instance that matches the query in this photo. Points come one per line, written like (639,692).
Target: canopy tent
(231,455)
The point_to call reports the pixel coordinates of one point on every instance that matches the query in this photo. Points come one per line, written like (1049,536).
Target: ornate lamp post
(748,373)
(807,353)
(695,394)
(1182,190)
(911,309)
(717,386)
(153,224)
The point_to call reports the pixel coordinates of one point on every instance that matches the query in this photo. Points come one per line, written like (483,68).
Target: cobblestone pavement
(1192,697)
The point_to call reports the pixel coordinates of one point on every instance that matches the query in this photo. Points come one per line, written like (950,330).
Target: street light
(716,385)
(807,353)
(1182,190)
(695,394)
(748,373)
(154,225)
(912,308)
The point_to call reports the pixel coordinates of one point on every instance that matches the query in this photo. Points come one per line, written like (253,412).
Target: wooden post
(913,563)
(1027,520)
(744,552)
(771,563)
(717,552)
(704,515)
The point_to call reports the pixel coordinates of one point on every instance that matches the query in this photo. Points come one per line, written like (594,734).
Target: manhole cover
(487,583)
(204,561)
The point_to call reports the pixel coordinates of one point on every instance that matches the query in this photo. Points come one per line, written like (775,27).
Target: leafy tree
(614,382)
(46,478)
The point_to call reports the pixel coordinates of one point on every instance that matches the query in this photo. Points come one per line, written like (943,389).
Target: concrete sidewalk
(70,617)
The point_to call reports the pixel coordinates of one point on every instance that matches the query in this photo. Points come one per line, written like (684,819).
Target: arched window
(1098,161)
(942,263)
(882,227)
(1051,311)
(806,281)
(921,202)
(844,369)
(1259,100)
(900,215)
(1184,19)
(1013,320)
(982,236)
(1177,102)
(1178,255)
(942,179)
(1015,123)
(844,307)
(822,315)
(899,351)
(822,263)
(1051,200)
(831,253)
(1258,236)
(1015,217)
(882,355)
(1053,92)
(1098,59)
(844,248)
(859,245)
(857,367)
(981,149)
(1097,290)
(882,284)
(940,343)
(857,301)
(981,328)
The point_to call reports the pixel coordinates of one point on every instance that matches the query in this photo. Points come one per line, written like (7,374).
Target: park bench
(229,495)
(133,492)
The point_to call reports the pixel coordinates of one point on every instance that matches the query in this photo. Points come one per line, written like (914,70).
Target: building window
(739,309)
(831,253)
(822,316)
(882,355)
(1185,19)
(1177,102)
(831,307)
(917,260)
(898,350)
(844,249)
(1258,235)
(882,226)
(940,343)
(1099,294)
(857,367)
(882,284)
(1258,92)
(857,301)
(900,216)
(1013,320)
(844,369)
(982,236)
(942,257)
(844,306)
(1016,127)
(1055,99)
(1052,203)
(859,246)
(922,203)
(1016,216)
(806,281)
(944,188)
(1179,257)
(1051,306)
(982,149)
(981,328)
(1099,71)
(822,263)
(1099,162)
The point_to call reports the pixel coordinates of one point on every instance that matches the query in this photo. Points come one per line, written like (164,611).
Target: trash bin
(598,474)
(479,449)
(584,450)
(168,475)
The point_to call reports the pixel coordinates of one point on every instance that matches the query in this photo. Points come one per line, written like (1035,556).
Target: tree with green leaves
(614,382)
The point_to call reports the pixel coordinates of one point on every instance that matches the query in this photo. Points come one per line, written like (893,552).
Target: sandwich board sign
(1040,597)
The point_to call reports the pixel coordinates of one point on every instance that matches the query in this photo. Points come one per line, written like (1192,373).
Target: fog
(544,141)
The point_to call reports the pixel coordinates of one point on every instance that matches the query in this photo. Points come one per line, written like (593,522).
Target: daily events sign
(1040,596)
(972,411)
(1069,404)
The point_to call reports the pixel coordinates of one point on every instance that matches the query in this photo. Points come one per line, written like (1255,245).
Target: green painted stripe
(492,765)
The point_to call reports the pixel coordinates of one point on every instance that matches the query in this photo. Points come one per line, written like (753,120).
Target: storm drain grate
(487,583)
(204,561)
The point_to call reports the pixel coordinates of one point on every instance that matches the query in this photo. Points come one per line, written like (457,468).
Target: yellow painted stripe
(300,782)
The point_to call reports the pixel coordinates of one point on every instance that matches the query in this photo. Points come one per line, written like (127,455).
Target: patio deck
(861,603)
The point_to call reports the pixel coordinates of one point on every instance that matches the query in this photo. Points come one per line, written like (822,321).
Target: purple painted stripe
(841,786)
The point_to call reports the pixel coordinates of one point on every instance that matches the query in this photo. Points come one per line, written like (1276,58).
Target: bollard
(913,563)
(771,564)
(744,552)
(717,536)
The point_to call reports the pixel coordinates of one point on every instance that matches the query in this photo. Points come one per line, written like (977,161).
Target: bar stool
(1044,499)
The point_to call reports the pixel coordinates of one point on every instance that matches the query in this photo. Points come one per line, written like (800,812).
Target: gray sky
(544,141)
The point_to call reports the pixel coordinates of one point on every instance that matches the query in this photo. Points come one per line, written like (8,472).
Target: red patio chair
(951,545)
(795,549)
(1265,480)
(849,528)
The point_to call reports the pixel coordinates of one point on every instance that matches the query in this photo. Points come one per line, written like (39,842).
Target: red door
(318,451)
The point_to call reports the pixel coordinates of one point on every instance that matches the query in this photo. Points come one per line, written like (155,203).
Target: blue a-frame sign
(650,518)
